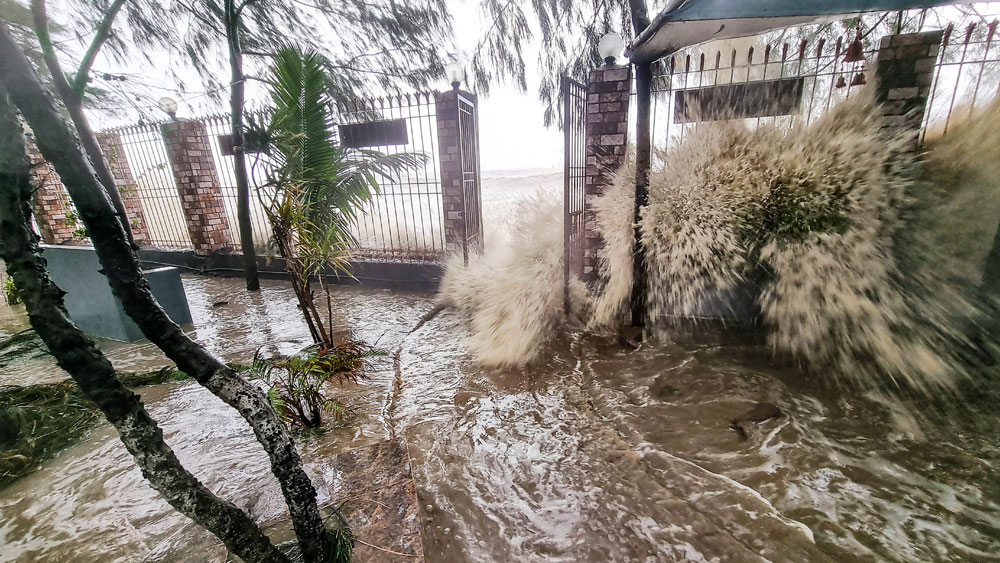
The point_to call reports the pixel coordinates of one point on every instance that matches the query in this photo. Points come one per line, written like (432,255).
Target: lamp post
(456,74)
(610,47)
(169,107)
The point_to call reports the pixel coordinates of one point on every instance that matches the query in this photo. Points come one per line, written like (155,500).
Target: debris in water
(761,412)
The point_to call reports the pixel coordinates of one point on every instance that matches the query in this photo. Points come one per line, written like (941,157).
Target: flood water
(593,453)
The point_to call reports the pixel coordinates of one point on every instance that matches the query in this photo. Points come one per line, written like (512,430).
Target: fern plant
(316,188)
(296,384)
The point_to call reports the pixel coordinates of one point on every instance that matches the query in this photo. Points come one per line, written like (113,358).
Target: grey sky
(511,133)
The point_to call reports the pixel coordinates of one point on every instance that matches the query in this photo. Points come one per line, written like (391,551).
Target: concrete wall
(92,305)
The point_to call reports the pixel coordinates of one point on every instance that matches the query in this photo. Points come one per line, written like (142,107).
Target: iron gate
(468,151)
(575,162)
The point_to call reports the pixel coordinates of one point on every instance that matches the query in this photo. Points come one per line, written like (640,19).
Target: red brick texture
(114,153)
(190,154)
(52,208)
(607,146)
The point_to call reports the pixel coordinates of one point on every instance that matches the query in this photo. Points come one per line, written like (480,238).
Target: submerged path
(594,453)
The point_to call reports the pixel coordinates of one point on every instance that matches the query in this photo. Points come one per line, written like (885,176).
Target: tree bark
(72,98)
(94,374)
(122,268)
(643,84)
(639,15)
(236,101)
(643,79)
(991,272)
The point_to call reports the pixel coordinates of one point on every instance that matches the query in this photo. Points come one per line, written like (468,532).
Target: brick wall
(190,154)
(607,145)
(905,72)
(114,153)
(453,196)
(52,208)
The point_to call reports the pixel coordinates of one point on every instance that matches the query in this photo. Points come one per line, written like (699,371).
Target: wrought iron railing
(402,222)
(155,185)
(785,84)
(966,77)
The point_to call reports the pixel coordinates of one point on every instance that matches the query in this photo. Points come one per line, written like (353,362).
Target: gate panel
(575,161)
(468,140)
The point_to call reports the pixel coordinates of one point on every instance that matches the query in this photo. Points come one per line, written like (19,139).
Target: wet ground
(594,453)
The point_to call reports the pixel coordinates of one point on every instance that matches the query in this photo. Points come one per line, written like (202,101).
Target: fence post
(190,154)
(52,208)
(608,96)
(452,193)
(114,152)
(905,72)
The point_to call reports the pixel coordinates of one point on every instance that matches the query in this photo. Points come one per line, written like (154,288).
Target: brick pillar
(607,147)
(190,155)
(114,152)
(54,213)
(453,196)
(904,73)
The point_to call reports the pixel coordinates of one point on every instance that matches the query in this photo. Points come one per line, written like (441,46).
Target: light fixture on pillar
(456,74)
(169,107)
(610,47)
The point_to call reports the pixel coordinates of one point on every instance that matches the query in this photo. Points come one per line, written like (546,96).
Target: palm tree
(317,187)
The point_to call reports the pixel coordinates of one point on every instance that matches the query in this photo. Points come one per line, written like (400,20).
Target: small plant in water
(317,188)
(297,383)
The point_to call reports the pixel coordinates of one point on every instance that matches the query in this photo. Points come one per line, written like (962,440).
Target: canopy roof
(683,23)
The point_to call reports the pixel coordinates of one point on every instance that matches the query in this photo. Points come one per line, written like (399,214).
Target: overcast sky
(512,136)
(511,133)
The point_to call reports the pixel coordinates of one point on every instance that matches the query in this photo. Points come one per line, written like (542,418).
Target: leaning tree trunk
(991,273)
(643,82)
(72,99)
(92,371)
(121,266)
(236,99)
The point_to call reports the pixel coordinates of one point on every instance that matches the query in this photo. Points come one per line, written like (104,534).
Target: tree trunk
(643,83)
(991,272)
(639,15)
(236,99)
(643,79)
(94,374)
(72,99)
(122,268)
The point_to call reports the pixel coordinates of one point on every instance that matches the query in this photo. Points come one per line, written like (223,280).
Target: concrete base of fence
(90,302)
(414,276)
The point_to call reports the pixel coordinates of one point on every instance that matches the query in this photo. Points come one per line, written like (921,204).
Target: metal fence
(156,188)
(219,130)
(782,85)
(468,152)
(575,160)
(966,77)
(403,221)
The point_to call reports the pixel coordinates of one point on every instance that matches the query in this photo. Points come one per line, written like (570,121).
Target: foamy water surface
(593,453)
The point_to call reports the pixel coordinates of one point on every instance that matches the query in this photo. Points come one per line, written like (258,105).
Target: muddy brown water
(594,453)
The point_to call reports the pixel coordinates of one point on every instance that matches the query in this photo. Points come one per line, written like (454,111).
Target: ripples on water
(591,454)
